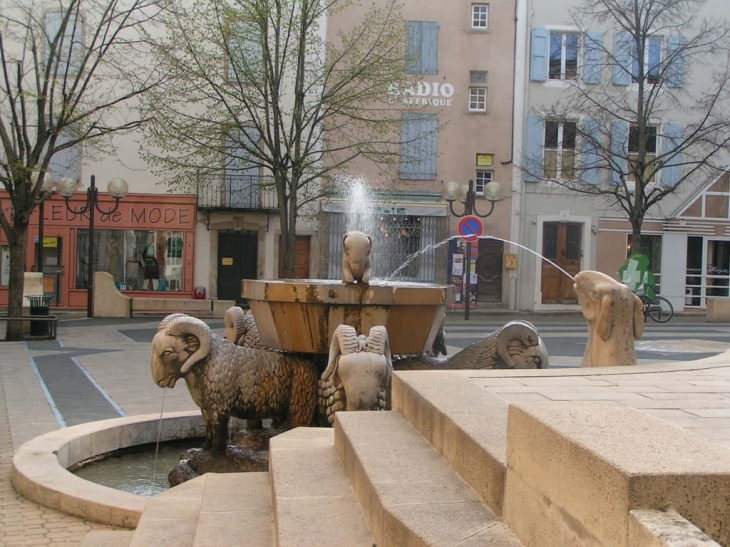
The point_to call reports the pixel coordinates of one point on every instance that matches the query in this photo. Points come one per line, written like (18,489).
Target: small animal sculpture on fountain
(615,317)
(228,380)
(240,328)
(356,266)
(516,345)
(358,373)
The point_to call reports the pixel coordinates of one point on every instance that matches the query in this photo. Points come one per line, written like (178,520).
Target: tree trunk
(18,247)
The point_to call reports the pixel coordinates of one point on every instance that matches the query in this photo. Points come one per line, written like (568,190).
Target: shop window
(136,259)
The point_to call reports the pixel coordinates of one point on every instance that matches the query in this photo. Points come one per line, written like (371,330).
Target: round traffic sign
(470,228)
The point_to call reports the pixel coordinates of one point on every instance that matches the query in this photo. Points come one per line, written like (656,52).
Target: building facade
(682,235)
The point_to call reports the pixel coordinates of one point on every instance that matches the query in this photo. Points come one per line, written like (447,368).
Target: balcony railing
(237,192)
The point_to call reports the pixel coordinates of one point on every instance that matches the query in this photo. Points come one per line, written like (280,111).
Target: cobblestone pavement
(99,368)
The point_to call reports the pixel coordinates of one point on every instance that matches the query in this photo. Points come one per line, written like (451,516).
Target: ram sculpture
(358,372)
(228,380)
(240,328)
(516,345)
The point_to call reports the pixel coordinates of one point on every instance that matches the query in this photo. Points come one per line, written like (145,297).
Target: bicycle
(657,307)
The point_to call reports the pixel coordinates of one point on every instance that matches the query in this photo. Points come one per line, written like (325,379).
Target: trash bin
(40,305)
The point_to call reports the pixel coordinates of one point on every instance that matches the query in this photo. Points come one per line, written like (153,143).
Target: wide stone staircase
(437,471)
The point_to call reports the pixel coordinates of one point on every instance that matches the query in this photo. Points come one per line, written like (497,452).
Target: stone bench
(110,302)
(52,321)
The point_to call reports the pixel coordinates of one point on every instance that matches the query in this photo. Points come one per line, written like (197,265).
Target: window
(482,179)
(246,50)
(559,155)
(136,259)
(422,47)
(563,64)
(69,48)
(477,99)
(650,140)
(419,148)
(480,16)
(651,60)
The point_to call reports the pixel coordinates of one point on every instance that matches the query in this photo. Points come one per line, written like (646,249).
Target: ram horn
(169,319)
(520,330)
(234,322)
(378,342)
(180,326)
(344,340)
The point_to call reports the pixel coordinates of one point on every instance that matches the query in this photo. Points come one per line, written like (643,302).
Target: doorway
(561,243)
(489,270)
(237,256)
(301,258)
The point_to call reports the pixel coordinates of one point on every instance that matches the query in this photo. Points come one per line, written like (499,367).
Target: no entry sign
(470,228)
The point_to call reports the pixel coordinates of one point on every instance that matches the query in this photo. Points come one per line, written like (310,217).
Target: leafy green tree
(256,84)
(65,71)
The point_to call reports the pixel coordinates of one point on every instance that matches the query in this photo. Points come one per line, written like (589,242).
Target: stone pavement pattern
(695,396)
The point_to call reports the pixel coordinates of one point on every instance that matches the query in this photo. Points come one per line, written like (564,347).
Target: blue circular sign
(470,228)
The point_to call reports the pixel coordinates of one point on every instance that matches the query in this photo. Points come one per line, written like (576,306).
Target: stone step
(215,510)
(409,494)
(313,501)
(577,472)
(465,423)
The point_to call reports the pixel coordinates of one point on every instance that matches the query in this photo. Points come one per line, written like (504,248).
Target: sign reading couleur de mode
(422,93)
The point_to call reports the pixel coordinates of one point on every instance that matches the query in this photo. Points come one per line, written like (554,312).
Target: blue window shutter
(419,148)
(430,48)
(672,169)
(534,146)
(592,58)
(622,48)
(414,40)
(590,159)
(619,150)
(675,69)
(539,54)
(65,163)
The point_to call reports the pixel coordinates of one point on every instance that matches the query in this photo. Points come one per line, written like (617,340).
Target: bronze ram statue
(228,380)
(516,345)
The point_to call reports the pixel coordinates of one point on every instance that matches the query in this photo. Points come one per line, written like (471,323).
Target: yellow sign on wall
(510,262)
(227,261)
(50,242)
(484,160)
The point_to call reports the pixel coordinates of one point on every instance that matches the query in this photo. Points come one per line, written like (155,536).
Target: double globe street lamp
(454,191)
(117,188)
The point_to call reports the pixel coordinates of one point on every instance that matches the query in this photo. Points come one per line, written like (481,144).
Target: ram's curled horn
(184,325)
(344,340)
(515,330)
(169,319)
(378,342)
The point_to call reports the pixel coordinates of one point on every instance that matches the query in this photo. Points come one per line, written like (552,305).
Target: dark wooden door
(237,253)
(561,243)
(489,270)
(301,258)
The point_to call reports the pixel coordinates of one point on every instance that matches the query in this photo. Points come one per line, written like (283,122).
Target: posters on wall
(458,270)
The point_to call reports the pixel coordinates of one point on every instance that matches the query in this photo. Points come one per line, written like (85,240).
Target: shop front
(147,245)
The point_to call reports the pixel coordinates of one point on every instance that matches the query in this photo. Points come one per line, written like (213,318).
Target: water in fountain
(157,443)
(428,248)
(394,237)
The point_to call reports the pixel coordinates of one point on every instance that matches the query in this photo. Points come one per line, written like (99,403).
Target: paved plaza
(100,369)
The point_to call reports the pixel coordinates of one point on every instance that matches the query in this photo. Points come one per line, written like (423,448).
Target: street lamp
(117,188)
(453,191)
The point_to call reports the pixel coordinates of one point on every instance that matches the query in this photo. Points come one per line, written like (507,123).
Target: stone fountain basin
(40,465)
(301,315)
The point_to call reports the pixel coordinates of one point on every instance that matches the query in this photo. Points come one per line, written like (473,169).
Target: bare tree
(255,84)
(647,109)
(66,68)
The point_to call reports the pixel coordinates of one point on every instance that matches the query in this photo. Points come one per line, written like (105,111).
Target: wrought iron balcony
(238,192)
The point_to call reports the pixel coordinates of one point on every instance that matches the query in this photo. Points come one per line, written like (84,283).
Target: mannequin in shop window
(151,268)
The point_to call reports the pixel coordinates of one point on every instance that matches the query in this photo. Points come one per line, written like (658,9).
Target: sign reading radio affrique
(421,93)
